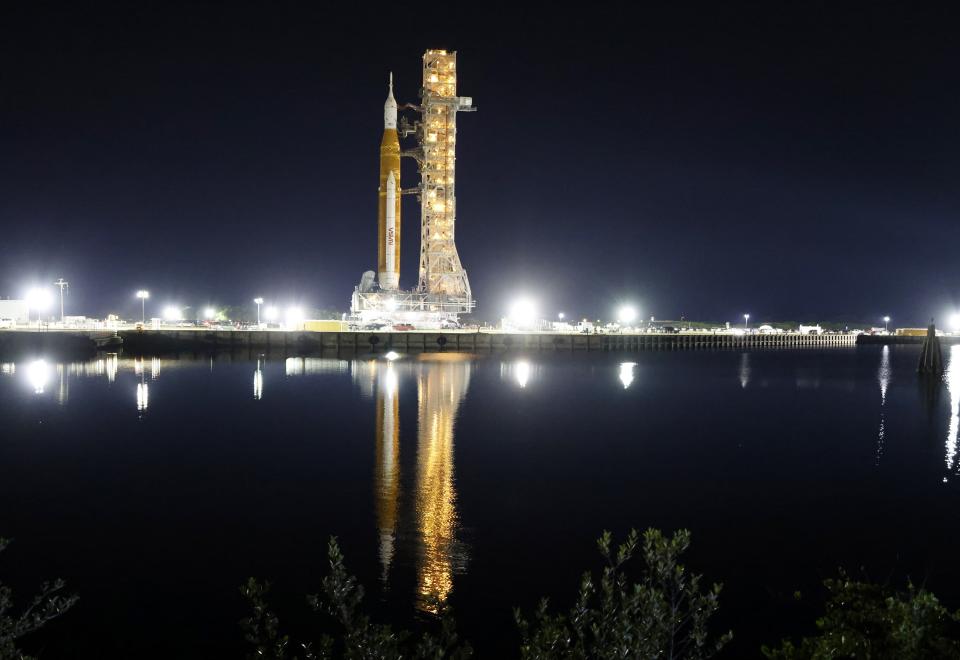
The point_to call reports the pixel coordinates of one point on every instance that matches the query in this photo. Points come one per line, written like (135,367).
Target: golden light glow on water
(441,387)
(387,464)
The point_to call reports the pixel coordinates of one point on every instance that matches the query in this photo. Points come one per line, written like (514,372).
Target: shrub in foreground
(44,607)
(871,621)
(664,614)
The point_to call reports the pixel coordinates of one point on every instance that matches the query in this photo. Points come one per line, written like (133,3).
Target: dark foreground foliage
(869,621)
(45,606)
(663,614)
(359,638)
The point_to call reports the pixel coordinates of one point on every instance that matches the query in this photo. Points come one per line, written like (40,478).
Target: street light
(955,322)
(171,313)
(294,317)
(143,295)
(523,313)
(270,313)
(561,316)
(258,301)
(38,299)
(63,284)
(886,320)
(626,315)
(209,313)
(746,320)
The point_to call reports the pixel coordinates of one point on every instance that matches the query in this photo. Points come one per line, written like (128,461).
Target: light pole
(886,320)
(143,295)
(258,301)
(63,284)
(746,320)
(38,299)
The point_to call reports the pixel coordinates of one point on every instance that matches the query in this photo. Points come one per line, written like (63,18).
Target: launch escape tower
(443,290)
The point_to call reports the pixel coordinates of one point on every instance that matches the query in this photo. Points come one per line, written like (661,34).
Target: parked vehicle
(402,326)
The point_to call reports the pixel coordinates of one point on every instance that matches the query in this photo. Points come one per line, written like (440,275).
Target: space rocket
(388,211)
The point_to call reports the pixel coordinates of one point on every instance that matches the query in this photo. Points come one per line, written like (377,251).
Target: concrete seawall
(877,340)
(473,342)
(77,343)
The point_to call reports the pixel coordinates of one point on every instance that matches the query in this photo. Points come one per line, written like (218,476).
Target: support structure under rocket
(388,211)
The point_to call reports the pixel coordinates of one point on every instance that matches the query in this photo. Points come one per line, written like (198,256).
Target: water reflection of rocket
(387,477)
(388,211)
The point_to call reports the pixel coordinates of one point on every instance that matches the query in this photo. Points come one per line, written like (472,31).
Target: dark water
(156,486)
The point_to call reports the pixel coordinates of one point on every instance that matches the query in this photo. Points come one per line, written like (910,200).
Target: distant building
(14,310)
(811,330)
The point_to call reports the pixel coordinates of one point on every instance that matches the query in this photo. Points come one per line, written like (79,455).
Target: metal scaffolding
(441,272)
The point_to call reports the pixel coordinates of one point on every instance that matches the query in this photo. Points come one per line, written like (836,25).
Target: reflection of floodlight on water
(626,373)
(522,372)
(270,313)
(390,381)
(626,315)
(143,396)
(293,317)
(38,374)
(523,313)
(258,383)
(391,304)
(392,355)
(171,313)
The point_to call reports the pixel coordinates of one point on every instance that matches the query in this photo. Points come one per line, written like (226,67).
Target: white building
(14,310)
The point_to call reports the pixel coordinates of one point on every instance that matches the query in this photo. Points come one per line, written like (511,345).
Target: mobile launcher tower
(443,290)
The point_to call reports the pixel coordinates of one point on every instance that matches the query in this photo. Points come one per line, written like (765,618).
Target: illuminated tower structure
(440,270)
(443,290)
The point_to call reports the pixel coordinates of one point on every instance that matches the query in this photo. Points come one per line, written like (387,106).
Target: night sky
(796,162)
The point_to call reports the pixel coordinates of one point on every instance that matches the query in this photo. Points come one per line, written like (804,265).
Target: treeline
(643,603)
